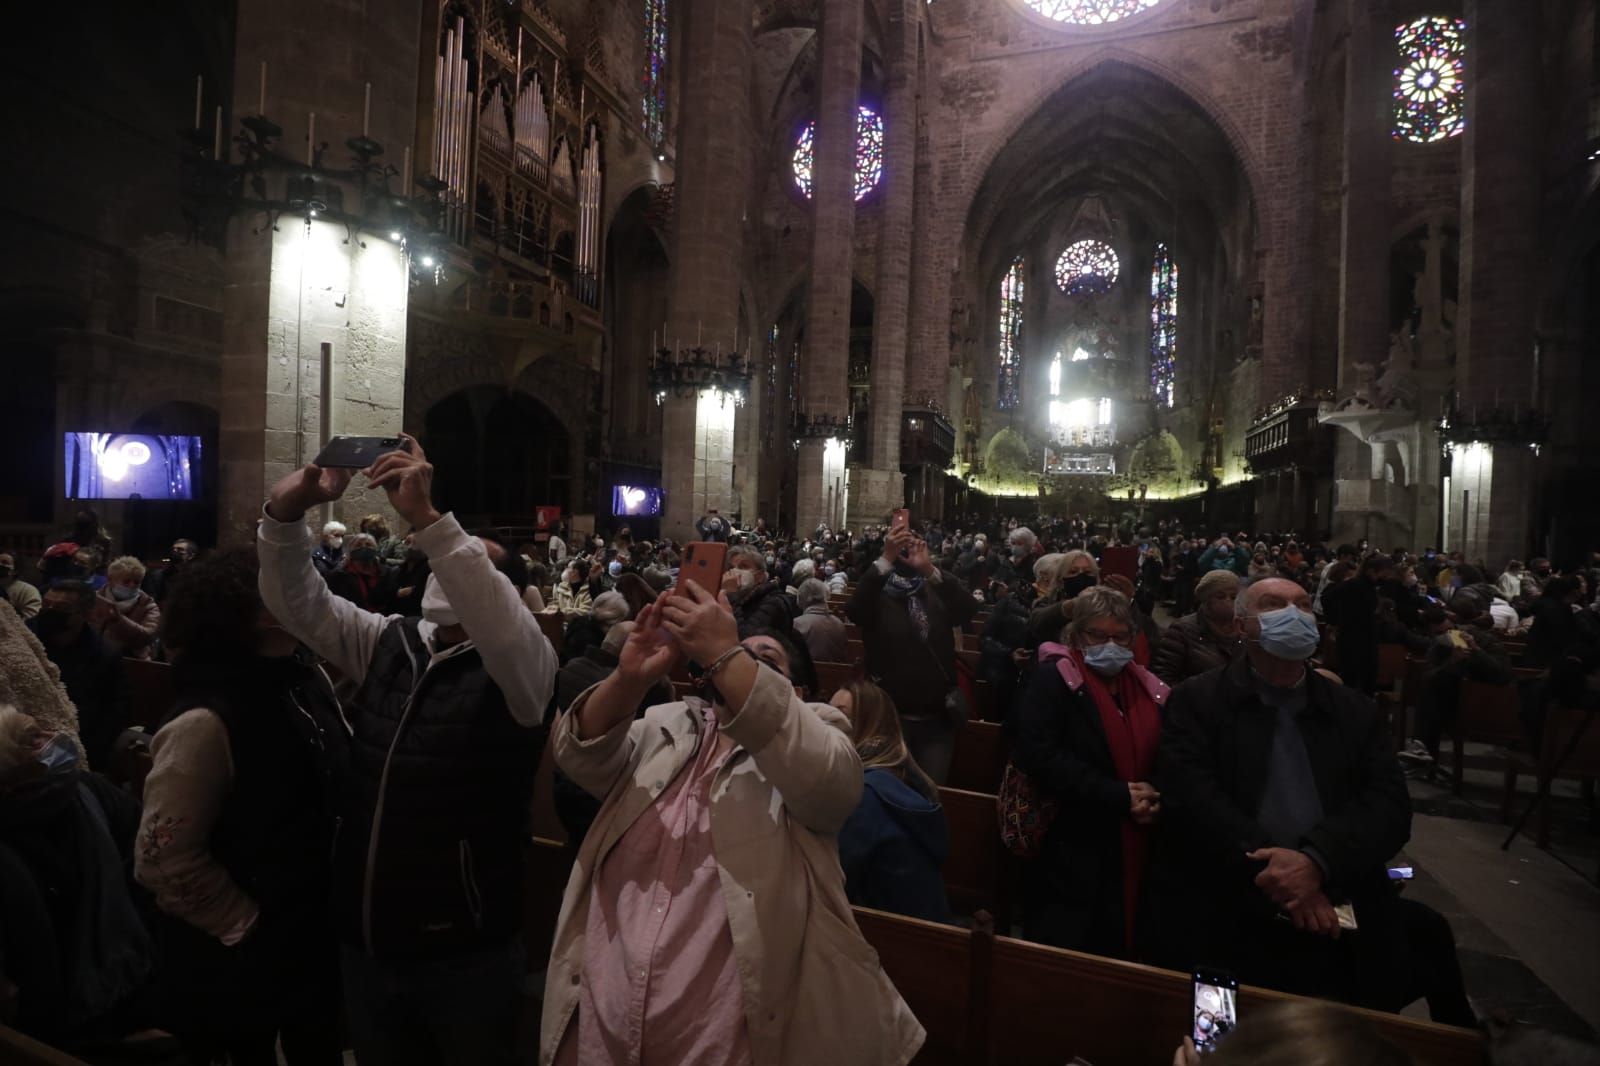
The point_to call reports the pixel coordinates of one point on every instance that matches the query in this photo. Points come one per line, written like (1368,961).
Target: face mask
(771,560)
(746,579)
(1288,633)
(827,571)
(614,568)
(365,555)
(124,594)
(1076,584)
(336,543)
(435,608)
(1107,659)
(58,754)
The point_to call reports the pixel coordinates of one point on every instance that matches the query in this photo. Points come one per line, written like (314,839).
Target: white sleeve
(298,597)
(515,650)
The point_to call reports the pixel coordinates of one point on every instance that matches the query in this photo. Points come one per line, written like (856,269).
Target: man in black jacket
(1281,798)
(445,739)
(91,671)
(906,609)
(1352,608)
(758,601)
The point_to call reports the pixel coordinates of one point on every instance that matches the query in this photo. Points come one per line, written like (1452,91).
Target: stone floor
(1527,921)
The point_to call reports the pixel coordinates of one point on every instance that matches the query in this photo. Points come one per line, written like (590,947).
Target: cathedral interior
(1304,266)
(1322,268)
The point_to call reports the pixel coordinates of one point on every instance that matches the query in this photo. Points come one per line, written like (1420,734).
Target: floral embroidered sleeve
(189,781)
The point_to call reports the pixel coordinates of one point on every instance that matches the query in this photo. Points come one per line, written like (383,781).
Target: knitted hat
(1216,581)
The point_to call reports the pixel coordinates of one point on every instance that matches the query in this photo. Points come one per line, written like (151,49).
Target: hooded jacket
(893,848)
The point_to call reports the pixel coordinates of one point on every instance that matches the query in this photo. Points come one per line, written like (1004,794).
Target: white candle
(366,110)
(311,141)
(216,137)
(199,82)
(261,99)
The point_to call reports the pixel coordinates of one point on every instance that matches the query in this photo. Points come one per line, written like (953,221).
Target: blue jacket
(892,849)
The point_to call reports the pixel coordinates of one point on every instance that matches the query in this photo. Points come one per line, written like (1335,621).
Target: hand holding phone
(703,562)
(357,453)
(1216,1007)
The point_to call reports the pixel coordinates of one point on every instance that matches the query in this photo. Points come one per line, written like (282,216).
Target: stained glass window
(1430,95)
(1090,12)
(655,72)
(1163,326)
(1087,268)
(1011,288)
(869,153)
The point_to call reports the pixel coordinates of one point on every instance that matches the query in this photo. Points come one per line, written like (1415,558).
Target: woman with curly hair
(236,834)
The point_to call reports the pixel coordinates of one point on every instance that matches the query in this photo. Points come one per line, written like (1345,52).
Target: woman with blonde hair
(895,842)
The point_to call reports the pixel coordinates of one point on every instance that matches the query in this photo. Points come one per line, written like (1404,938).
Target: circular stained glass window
(1087,268)
(869,154)
(1090,12)
(1430,98)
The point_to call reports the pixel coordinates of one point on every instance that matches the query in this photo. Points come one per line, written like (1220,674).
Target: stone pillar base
(822,487)
(873,494)
(697,461)
(1488,504)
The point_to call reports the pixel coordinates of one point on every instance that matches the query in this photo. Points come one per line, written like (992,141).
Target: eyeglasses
(1091,639)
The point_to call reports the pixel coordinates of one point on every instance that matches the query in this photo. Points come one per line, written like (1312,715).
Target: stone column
(1363,503)
(707,251)
(1492,484)
(881,488)
(833,212)
(291,290)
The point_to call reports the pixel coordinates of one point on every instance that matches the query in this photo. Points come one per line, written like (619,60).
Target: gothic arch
(1111,56)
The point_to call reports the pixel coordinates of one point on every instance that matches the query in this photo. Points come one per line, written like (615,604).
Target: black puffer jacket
(428,856)
(1189,648)
(767,606)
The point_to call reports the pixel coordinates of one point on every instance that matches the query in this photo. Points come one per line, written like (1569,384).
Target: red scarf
(1132,724)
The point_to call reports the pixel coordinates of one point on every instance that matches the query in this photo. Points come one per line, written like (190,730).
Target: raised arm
(293,591)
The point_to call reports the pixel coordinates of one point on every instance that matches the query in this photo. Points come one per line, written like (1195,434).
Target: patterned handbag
(1025,814)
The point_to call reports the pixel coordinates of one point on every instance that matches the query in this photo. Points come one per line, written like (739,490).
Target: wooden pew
(1047,1005)
(150,690)
(980,873)
(941,972)
(858,651)
(980,758)
(1486,714)
(831,677)
(986,708)
(554,626)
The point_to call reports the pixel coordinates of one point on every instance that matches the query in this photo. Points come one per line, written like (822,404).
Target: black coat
(1201,901)
(1352,607)
(915,674)
(767,606)
(1073,888)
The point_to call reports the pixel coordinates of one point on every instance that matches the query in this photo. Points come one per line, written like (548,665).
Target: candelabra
(824,427)
(1495,425)
(684,372)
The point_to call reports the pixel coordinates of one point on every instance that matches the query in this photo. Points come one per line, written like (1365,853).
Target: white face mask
(746,579)
(435,608)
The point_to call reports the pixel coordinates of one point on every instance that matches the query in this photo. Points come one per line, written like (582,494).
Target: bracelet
(719,661)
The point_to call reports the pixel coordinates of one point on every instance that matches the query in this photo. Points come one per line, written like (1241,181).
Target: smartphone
(1400,873)
(358,453)
(703,561)
(1216,1007)
(901,518)
(1458,640)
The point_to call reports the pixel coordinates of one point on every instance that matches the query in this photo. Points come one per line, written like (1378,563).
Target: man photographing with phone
(428,854)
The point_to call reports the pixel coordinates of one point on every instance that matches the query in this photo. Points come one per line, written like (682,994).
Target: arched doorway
(496,456)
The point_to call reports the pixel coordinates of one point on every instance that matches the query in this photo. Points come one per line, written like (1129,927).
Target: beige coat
(813,989)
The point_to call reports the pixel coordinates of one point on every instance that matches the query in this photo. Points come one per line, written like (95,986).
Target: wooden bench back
(831,677)
(980,757)
(150,692)
(1488,713)
(937,970)
(554,626)
(979,873)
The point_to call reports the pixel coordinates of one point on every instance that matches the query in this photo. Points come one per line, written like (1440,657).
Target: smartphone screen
(702,564)
(1216,1008)
(1400,873)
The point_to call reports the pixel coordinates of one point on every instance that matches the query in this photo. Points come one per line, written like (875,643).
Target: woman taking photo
(1088,728)
(894,844)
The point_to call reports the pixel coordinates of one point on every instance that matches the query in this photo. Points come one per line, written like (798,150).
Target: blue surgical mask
(58,754)
(1289,633)
(614,568)
(122,593)
(1107,659)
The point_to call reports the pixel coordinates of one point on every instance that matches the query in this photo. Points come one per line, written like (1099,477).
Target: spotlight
(427,260)
(394,235)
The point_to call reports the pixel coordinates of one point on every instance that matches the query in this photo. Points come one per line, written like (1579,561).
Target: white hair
(803,570)
(333,529)
(1023,535)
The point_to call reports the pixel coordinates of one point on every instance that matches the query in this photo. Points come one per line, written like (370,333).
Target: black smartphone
(1216,1007)
(358,453)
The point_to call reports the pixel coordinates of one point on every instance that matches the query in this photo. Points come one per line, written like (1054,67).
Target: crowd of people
(328,849)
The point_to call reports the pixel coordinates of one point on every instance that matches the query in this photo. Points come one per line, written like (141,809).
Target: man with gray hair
(801,572)
(1281,801)
(819,627)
